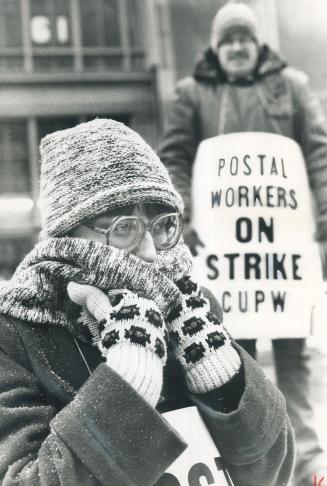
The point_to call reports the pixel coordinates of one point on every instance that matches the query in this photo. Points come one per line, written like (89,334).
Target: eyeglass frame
(145,227)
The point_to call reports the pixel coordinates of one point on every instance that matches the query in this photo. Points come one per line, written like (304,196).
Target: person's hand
(131,336)
(191,239)
(201,344)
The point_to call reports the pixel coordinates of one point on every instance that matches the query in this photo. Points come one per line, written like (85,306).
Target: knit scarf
(37,292)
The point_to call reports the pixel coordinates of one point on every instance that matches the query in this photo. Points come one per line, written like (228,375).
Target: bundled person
(102,330)
(240,84)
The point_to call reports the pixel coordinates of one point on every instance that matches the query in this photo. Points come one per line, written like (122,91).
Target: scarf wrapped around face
(37,293)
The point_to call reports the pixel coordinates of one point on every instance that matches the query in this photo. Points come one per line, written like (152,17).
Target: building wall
(303,40)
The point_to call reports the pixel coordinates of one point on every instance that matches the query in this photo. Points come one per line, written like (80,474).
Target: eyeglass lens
(128,231)
(165,230)
(125,232)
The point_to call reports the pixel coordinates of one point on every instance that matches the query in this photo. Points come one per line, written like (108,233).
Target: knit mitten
(131,335)
(201,344)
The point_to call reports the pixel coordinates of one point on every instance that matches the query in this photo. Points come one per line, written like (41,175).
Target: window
(50,32)
(11,52)
(10,21)
(12,251)
(103,15)
(49,125)
(14,160)
(50,23)
(113,41)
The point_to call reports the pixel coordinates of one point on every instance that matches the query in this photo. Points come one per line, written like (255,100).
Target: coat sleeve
(256,439)
(107,435)
(181,138)
(311,134)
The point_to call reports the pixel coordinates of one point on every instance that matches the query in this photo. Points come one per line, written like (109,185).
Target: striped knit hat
(231,17)
(97,166)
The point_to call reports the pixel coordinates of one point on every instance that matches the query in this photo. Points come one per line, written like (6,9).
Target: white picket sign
(252,208)
(201,462)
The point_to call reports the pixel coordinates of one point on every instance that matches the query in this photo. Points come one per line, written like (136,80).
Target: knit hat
(231,17)
(97,166)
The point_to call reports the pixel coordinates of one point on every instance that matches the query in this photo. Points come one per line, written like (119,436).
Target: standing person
(84,326)
(241,85)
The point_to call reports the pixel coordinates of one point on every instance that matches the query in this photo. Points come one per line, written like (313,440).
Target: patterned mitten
(201,344)
(131,336)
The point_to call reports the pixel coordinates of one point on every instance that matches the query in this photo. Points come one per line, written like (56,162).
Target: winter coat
(67,419)
(277,100)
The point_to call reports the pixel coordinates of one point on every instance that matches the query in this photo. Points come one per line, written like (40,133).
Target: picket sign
(252,208)
(200,463)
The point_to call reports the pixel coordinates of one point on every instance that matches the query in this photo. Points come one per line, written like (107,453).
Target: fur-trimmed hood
(208,68)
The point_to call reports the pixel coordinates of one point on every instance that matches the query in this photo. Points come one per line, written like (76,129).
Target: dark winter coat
(278,100)
(67,419)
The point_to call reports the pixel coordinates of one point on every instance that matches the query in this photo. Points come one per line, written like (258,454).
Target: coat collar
(208,69)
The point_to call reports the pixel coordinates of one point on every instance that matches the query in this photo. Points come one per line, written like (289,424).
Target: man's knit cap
(233,17)
(95,167)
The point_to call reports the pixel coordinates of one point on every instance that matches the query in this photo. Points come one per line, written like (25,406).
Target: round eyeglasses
(126,232)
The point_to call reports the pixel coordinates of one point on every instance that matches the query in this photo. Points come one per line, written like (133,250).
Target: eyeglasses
(126,232)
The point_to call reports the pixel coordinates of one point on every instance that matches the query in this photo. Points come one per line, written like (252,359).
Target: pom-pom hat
(233,17)
(97,166)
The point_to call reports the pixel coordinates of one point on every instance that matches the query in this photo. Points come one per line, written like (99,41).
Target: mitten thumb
(91,298)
